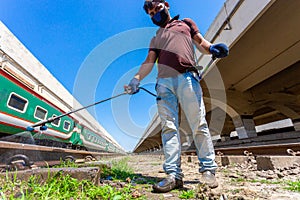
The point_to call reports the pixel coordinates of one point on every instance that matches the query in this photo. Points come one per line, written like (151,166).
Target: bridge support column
(296,123)
(244,126)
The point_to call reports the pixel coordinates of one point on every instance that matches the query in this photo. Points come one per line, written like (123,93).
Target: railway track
(292,149)
(287,149)
(20,155)
(282,143)
(146,166)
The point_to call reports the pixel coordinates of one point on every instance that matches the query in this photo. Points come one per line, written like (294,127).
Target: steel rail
(270,149)
(45,155)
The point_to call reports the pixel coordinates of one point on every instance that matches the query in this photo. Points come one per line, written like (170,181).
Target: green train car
(21,106)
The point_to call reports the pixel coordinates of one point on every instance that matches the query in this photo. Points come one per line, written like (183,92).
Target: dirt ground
(241,181)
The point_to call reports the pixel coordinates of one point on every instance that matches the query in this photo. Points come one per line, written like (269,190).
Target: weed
(119,170)
(225,171)
(236,191)
(239,180)
(189,194)
(289,185)
(265,181)
(62,186)
(293,186)
(66,163)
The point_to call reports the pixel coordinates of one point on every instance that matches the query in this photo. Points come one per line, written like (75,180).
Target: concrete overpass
(258,82)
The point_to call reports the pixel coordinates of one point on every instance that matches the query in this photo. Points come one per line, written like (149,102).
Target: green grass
(263,181)
(288,185)
(64,187)
(239,180)
(119,170)
(66,163)
(293,186)
(189,194)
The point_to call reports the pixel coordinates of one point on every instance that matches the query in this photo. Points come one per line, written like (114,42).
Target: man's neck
(170,20)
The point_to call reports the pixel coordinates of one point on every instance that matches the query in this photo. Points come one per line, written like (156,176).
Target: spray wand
(43,123)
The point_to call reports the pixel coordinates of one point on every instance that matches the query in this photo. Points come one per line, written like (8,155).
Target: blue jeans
(185,90)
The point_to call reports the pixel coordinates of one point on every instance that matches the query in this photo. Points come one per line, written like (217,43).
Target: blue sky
(94,47)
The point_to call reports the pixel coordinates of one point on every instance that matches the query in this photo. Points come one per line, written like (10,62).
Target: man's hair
(156,0)
(148,3)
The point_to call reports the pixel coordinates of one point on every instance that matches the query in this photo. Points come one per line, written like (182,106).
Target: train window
(88,136)
(17,103)
(67,125)
(40,113)
(56,122)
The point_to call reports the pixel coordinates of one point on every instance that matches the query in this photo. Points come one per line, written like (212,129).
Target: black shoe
(167,184)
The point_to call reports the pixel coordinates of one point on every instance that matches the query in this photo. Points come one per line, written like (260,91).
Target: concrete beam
(288,112)
(276,162)
(263,162)
(296,123)
(244,126)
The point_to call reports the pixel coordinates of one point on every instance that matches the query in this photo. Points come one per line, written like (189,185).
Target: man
(178,83)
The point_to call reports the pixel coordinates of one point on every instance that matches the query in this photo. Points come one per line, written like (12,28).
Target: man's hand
(133,86)
(219,50)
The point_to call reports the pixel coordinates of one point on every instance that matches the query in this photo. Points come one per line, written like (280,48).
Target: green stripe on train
(7,87)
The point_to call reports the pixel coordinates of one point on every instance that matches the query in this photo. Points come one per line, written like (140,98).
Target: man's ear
(167,5)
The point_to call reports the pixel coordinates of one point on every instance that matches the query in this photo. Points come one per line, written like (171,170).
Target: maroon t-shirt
(174,47)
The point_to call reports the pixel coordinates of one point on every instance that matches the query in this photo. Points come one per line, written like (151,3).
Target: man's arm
(219,50)
(201,43)
(145,69)
(146,66)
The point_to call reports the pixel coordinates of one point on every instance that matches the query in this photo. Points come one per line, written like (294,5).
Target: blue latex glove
(219,50)
(133,86)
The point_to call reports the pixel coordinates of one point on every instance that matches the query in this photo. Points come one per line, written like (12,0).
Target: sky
(94,48)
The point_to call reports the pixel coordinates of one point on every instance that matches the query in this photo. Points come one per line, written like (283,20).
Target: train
(20,107)
(22,104)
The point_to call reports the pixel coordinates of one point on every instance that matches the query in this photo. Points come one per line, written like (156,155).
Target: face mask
(161,17)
